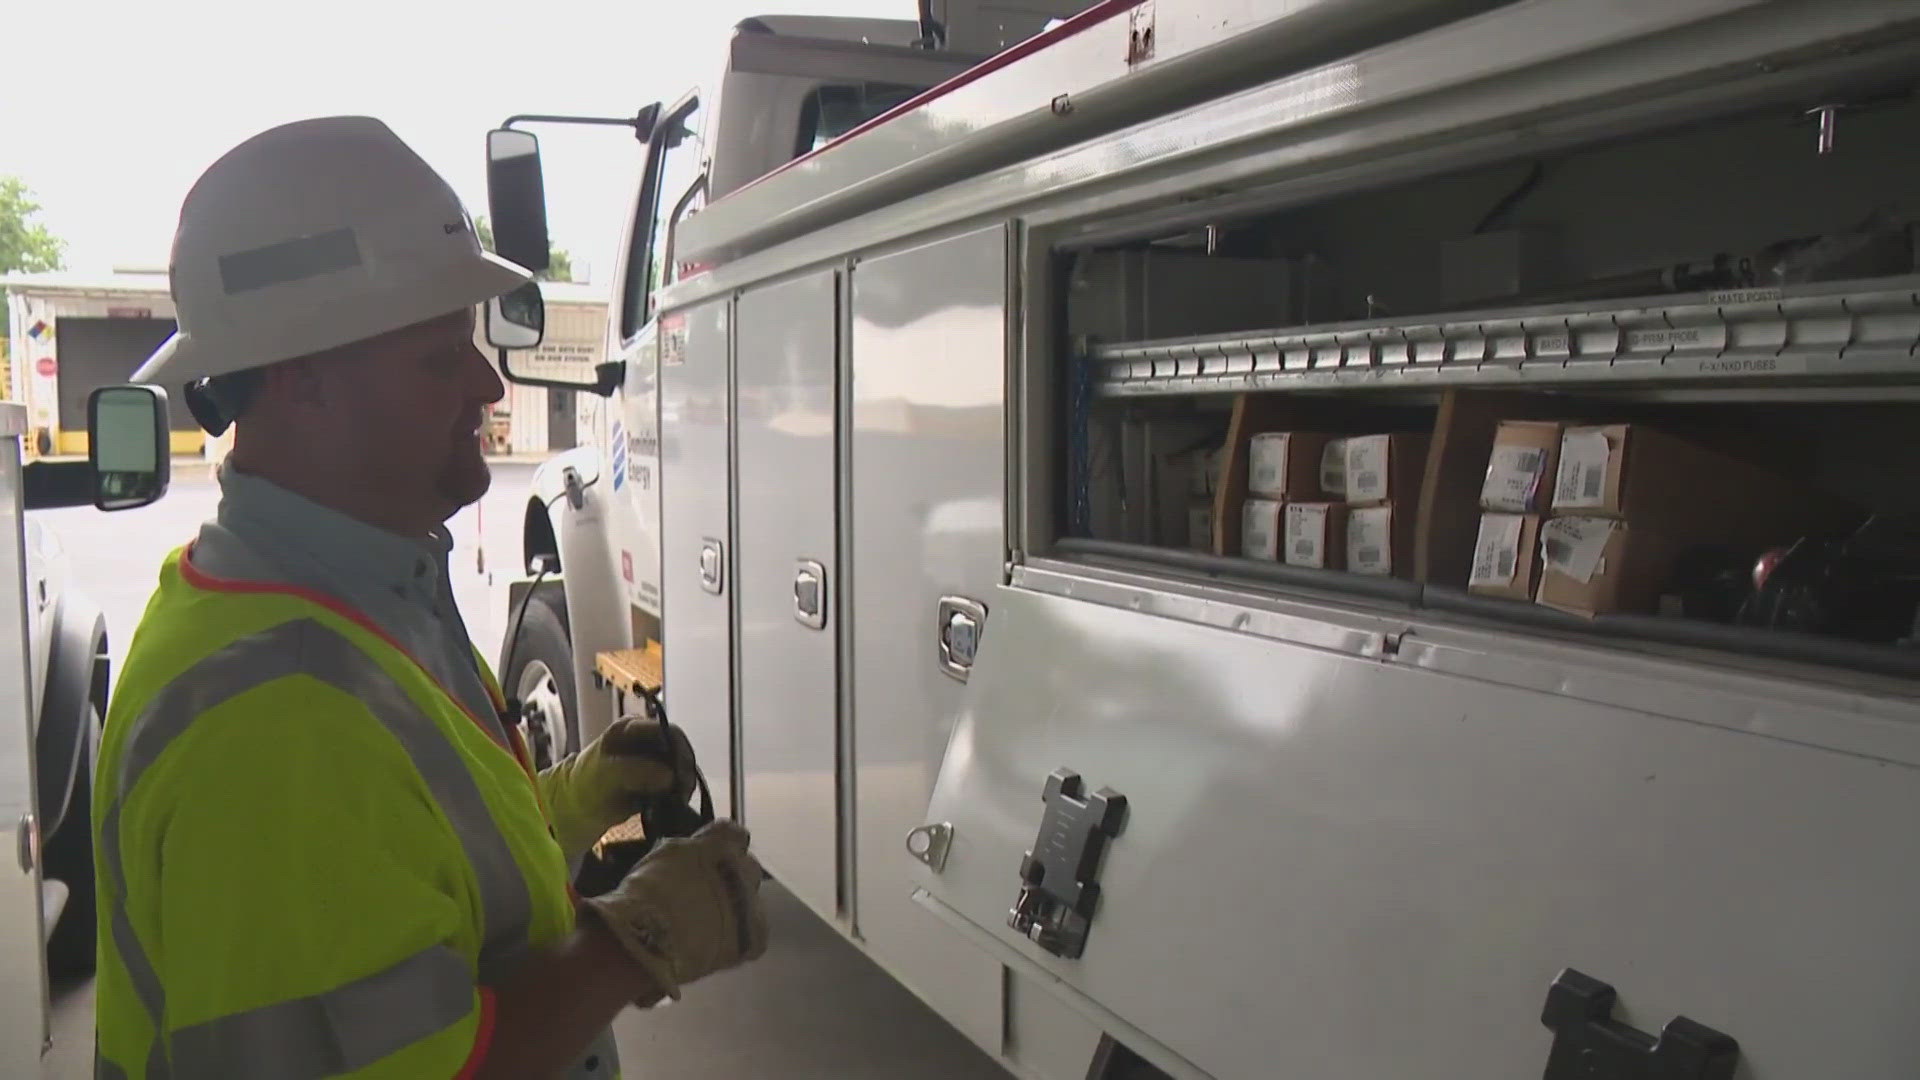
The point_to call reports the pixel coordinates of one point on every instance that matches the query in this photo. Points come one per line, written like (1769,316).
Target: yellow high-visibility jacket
(311,860)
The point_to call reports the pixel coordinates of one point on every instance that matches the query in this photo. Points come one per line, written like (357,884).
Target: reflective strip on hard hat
(289,260)
(305,647)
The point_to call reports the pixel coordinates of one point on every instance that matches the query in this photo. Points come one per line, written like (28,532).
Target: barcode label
(1513,479)
(1369,540)
(1496,551)
(1333,468)
(1306,535)
(1573,545)
(1367,468)
(1584,454)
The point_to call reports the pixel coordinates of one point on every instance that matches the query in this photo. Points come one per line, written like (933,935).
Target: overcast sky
(111,109)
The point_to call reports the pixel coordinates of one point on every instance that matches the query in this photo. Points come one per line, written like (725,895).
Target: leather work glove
(690,908)
(631,763)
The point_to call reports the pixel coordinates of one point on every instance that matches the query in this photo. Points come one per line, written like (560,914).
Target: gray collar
(323,547)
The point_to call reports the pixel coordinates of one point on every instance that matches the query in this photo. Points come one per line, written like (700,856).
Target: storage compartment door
(789,678)
(927,479)
(1348,869)
(696,575)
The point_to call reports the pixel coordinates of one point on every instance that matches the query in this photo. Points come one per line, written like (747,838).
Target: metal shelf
(1842,332)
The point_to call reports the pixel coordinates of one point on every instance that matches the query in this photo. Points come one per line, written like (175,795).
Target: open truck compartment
(1718,324)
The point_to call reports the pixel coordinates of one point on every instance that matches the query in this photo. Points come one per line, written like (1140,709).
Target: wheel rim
(544,711)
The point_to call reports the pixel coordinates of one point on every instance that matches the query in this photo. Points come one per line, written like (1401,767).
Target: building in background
(71,333)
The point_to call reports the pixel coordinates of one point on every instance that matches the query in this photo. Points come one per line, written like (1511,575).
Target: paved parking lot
(813,1008)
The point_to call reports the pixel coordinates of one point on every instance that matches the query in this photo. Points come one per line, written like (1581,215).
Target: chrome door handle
(713,563)
(961,622)
(27,843)
(810,594)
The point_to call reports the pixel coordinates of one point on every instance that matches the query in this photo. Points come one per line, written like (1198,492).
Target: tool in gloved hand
(639,765)
(664,812)
(690,908)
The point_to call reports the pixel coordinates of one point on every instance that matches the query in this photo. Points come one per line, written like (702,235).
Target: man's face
(417,400)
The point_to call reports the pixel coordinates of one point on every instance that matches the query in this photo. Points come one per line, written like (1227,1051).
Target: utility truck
(1332,538)
(53,693)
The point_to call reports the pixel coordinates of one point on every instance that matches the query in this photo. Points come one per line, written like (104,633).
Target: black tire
(543,639)
(68,858)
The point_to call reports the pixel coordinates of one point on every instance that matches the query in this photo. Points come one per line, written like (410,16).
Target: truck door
(786,352)
(928,348)
(23,994)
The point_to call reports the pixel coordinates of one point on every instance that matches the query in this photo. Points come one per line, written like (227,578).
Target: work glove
(690,908)
(636,760)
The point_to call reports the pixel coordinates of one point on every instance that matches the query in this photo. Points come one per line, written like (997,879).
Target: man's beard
(465,478)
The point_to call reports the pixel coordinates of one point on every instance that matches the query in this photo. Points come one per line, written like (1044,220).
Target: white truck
(926,334)
(53,644)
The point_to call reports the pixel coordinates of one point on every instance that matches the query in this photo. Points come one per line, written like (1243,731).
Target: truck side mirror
(517,320)
(127,445)
(517,198)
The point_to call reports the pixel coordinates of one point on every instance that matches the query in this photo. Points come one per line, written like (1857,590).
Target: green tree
(25,245)
(559,263)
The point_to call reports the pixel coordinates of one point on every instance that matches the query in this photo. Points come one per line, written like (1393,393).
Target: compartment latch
(1058,890)
(1588,1044)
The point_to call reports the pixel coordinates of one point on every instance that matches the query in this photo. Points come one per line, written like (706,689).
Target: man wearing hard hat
(322,849)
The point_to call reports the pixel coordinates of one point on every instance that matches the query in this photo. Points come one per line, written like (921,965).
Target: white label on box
(1306,535)
(1200,527)
(1513,478)
(1267,464)
(1370,540)
(1582,483)
(1367,468)
(1260,529)
(1573,545)
(1496,554)
(1333,469)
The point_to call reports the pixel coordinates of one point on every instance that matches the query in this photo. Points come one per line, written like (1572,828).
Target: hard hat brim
(183,359)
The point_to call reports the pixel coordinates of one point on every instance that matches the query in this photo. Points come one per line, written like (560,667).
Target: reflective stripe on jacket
(311,860)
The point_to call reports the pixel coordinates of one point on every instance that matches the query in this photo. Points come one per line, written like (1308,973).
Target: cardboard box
(1597,565)
(1522,467)
(1316,535)
(1203,476)
(1380,539)
(1333,469)
(1260,529)
(1506,557)
(1385,468)
(1285,465)
(1592,565)
(1200,525)
(1628,470)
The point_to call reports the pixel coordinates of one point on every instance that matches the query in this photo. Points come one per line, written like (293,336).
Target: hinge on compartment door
(1058,890)
(1588,1044)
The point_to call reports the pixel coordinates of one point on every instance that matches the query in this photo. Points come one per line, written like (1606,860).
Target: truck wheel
(69,860)
(543,684)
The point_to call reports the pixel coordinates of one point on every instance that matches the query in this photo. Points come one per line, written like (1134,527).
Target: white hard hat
(313,235)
